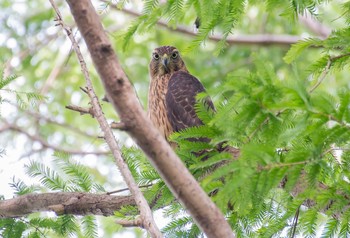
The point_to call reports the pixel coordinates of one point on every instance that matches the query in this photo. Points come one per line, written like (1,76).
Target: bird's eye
(174,55)
(155,56)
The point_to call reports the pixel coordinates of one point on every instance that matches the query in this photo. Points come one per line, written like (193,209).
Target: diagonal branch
(145,212)
(76,203)
(121,94)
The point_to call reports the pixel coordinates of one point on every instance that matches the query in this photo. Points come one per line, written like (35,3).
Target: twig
(118,126)
(84,90)
(267,119)
(323,75)
(130,223)
(295,222)
(145,211)
(126,189)
(326,69)
(82,110)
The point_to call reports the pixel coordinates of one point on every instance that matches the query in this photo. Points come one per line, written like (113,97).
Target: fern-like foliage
(66,175)
(7,80)
(89,225)
(335,54)
(287,135)
(23,99)
(21,188)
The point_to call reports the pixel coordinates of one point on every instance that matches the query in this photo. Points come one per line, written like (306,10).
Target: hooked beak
(165,62)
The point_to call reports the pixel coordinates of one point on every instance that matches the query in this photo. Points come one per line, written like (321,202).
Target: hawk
(172,92)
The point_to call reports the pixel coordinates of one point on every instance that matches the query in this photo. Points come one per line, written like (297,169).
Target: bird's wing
(180,100)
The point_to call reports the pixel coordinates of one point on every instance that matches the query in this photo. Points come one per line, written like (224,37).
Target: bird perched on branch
(172,95)
(172,92)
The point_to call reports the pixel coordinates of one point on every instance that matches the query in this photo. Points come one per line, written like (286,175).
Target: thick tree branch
(64,203)
(145,212)
(121,94)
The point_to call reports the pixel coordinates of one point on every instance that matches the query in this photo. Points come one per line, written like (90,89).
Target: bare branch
(126,189)
(146,214)
(118,126)
(130,223)
(122,96)
(64,203)
(82,110)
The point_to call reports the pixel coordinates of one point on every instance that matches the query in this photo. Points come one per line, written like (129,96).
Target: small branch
(295,222)
(323,75)
(74,203)
(267,119)
(84,90)
(326,70)
(82,110)
(130,223)
(334,58)
(340,122)
(118,126)
(126,189)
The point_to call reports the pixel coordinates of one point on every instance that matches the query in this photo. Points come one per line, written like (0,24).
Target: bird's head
(166,60)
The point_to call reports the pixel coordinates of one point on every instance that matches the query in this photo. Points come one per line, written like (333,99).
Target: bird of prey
(172,92)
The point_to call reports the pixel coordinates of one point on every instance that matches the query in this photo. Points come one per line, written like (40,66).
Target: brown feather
(159,85)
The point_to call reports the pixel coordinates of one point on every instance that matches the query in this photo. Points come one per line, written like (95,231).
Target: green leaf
(295,51)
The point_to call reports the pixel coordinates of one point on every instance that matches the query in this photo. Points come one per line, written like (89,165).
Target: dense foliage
(285,108)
